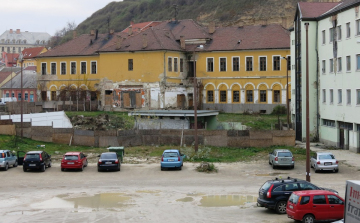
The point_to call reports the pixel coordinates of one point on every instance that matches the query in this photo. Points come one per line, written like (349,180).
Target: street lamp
(287,91)
(307,107)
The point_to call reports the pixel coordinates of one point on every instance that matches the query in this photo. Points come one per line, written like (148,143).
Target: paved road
(143,193)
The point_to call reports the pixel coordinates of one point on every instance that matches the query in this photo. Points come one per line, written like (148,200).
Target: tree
(279,110)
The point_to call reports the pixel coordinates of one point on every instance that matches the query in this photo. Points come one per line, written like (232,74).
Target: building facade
(334,66)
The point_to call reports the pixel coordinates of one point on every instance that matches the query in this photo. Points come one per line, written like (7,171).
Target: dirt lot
(143,193)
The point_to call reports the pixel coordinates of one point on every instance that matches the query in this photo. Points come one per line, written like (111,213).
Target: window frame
(221,96)
(357,96)
(357,23)
(220,66)
(339,32)
(274,91)
(169,63)
(260,63)
(176,64)
(233,96)
(323,69)
(53,71)
(238,63)
(339,96)
(61,68)
(207,64)
(261,96)
(43,71)
(323,37)
(252,95)
(71,63)
(348,30)
(357,62)
(331,34)
(130,64)
(348,96)
(331,94)
(181,64)
(252,63)
(212,96)
(324,95)
(81,67)
(273,62)
(348,63)
(331,65)
(91,67)
(339,64)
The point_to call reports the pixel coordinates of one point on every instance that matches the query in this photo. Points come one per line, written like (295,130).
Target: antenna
(176,10)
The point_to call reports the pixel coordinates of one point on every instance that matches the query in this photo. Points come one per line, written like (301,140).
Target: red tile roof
(32,52)
(138,27)
(11,57)
(315,9)
(4,75)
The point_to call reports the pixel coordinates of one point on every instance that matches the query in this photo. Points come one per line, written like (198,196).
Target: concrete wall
(241,108)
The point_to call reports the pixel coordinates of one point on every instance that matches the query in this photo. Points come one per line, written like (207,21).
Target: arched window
(210,93)
(249,94)
(276,93)
(262,93)
(236,93)
(223,94)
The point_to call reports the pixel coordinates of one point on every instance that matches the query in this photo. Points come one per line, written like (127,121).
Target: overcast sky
(46,15)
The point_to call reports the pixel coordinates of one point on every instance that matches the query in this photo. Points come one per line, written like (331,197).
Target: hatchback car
(281,158)
(38,160)
(74,160)
(316,205)
(324,161)
(171,158)
(275,193)
(7,158)
(109,161)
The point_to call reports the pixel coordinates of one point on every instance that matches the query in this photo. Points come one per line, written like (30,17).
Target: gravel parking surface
(143,193)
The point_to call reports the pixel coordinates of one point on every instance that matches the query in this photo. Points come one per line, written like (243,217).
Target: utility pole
(307,107)
(21,91)
(195,103)
(287,92)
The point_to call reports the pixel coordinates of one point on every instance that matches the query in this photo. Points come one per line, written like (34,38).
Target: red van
(315,205)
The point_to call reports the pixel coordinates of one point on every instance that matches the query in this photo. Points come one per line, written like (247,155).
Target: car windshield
(108,156)
(2,155)
(32,156)
(71,157)
(171,154)
(326,157)
(266,186)
(294,198)
(284,154)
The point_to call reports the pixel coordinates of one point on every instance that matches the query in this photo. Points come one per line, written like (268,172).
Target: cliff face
(118,15)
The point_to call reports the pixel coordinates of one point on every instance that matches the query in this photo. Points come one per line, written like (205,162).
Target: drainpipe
(164,80)
(318,84)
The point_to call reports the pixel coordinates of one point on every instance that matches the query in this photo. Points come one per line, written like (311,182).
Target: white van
(7,99)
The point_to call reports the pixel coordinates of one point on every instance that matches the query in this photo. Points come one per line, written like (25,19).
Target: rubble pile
(100,122)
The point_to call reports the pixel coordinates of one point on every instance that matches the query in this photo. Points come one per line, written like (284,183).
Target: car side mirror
(98,156)
(85,155)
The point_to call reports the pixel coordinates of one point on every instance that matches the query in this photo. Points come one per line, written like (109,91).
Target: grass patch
(255,121)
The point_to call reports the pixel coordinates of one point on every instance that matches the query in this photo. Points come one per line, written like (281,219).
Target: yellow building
(29,55)
(237,68)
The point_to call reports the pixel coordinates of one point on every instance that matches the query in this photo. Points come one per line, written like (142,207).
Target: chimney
(144,40)
(96,34)
(182,42)
(119,42)
(11,31)
(92,32)
(17,31)
(112,31)
(211,27)
(74,34)
(130,30)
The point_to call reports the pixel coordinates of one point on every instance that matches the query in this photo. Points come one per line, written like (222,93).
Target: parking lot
(144,193)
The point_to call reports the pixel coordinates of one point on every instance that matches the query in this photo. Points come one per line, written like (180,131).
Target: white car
(324,161)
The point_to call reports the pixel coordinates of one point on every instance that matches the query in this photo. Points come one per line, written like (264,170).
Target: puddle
(225,200)
(186,199)
(269,174)
(110,201)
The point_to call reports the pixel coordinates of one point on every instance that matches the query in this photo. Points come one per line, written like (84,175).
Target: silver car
(281,158)
(324,161)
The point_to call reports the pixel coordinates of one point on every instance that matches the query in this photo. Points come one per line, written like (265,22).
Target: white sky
(46,15)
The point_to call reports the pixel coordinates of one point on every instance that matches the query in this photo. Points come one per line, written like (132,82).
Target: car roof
(285,180)
(34,152)
(2,151)
(171,150)
(323,153)
(282,150)
(108,153)
(313,192)
(72,153)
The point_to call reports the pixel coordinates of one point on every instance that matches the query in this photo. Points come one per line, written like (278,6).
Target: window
(358,62)
(53,95)
(73,67)
(262,63)
(339,96)
(331,96)
(93,67)
(236,96)
(210,64)
(236,63)
(53,68)
(130,65)
(249,63)
(334,199)
(323,69)
(291,187)
(249,95)
(330,123)
(331,65)
(276,96)
(13,94)
(358,27)
(63,68)
(276,63)
(348,63)
(175,64)
(210,96)
(338,32)
(348,31)
(26,97)
(19,49)
(262,95)
(305,200)
(319,199)
(170,64)
(307,186)
(31,97)
(181,65)
(331,34)
(289,62)
(7,95)
(222,63)
(83,67)
(324,95)
(357,97)
(348,96)
(339,64)
(323,37)
(222,96)
(19,97)
(43,68)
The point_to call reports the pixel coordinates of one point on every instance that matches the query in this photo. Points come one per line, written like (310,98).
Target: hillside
(224,12)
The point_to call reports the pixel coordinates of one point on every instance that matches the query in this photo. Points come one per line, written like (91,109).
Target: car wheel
(82,168)
(337,170)
(63,169)
(180,168)
(15,164)
(118,169)
(24,169)
(308,218)
(49,164)
(273,166)
(292,167)
(43,168)
(6,167)
(281,207)
(161,168)
(269,162)
(316,170)
(86,163)
(99,170)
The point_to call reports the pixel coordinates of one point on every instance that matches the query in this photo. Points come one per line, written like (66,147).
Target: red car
(315,205)
(74,160)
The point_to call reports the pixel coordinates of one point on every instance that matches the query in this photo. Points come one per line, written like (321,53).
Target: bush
(191,155)
(279,110)
(206,167)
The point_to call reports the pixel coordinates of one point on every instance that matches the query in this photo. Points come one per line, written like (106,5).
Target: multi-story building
(237,68)
(334,66)
(15,41)
(29,55)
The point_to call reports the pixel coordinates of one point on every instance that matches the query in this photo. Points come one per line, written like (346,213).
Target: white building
(334,72)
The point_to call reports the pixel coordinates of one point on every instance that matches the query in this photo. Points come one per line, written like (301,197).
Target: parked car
(281,158)
(7,159)
(324,161)
(38,160)
(274,194)
(109,161)
(74,160)
(7,99)
(316,205)
(172,158)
